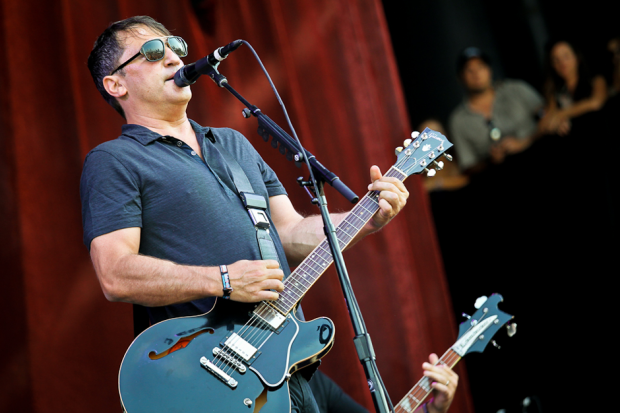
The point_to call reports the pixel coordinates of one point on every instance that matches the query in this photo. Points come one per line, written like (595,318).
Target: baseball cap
(470,53)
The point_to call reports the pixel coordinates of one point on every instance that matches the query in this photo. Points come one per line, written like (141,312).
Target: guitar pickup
(270,316)
(241,347)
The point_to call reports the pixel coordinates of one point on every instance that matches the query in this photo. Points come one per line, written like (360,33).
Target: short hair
(107,51)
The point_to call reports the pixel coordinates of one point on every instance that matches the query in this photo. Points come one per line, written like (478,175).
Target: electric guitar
(238,357)
(474,335)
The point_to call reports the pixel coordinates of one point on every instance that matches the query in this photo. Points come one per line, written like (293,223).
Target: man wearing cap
(162,220)
(495,119)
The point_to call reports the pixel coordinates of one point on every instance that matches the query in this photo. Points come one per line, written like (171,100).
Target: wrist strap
(225,282)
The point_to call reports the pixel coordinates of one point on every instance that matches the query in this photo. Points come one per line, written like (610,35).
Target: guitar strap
(255,205)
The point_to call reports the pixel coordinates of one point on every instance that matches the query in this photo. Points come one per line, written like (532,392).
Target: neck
(175,126)
(482,101)
(571,82)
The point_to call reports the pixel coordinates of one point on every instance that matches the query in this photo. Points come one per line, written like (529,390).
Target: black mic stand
(318,176)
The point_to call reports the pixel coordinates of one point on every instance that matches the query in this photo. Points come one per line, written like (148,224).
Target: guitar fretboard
(315,264)
(421,390)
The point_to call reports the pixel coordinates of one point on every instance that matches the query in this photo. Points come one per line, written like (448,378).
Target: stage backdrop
(333,65)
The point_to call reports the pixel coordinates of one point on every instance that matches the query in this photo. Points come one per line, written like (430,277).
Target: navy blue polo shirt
(185,206)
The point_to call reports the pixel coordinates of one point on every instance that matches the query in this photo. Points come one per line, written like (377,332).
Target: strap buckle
(256,206)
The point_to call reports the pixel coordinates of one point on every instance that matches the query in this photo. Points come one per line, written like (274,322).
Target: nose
(171,58)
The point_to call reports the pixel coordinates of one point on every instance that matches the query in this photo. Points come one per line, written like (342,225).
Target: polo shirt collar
(145,136)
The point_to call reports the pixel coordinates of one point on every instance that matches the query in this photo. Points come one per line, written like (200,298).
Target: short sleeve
(466,155)
(272,183)
(528,95)
(110,196)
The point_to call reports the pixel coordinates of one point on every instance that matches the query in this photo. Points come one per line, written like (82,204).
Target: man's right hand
(252,281)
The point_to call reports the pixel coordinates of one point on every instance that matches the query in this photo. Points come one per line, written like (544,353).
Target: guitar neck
(308,272)
(423,388)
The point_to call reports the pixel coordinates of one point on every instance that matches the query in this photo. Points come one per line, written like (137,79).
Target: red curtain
(333,65)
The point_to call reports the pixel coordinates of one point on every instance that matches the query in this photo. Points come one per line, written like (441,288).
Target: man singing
(164,224)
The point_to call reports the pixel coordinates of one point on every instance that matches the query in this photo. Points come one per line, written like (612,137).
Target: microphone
(188,74)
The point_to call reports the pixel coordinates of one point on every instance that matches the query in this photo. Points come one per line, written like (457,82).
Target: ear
(115,86)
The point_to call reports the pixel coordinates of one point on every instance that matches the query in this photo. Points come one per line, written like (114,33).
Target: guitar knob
(438,165)
(430,172)
(448,156)
(497,346)
(398,150)
(415,134)
(467,316)
(406,142)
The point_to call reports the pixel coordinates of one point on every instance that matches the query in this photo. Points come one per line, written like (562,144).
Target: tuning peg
(414,134)
(497,346)
(406,142)
(448,156)
(398,150)
(467,316)
(511,329)
(430,172)
(480,301)
(438,165)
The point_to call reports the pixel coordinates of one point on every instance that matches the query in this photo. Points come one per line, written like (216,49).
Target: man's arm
(126,276)
(301,235)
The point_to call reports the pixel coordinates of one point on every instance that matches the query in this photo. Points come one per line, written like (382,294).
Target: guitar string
(251,338)
(228,359)
(419,392)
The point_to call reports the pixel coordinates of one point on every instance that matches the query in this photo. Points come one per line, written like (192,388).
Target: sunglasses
(155,50)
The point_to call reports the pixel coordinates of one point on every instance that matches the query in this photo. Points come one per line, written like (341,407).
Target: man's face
(150,83)
(476,75)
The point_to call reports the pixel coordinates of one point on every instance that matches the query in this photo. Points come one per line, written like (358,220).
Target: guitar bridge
(218,372)
(229,359)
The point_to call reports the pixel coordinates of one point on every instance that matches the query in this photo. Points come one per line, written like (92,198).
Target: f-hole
(181,344)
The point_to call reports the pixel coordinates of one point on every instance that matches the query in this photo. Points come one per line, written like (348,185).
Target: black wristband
(225,282)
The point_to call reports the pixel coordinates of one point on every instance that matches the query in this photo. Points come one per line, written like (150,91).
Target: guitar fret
(315,264)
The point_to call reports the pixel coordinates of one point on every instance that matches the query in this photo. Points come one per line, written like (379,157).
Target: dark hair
(107,51)
(470,53)
(554,82)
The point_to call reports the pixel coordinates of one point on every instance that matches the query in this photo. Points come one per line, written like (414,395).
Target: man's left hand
(392,197)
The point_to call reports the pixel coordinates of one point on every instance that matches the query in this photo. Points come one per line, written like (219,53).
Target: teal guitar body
(164,368)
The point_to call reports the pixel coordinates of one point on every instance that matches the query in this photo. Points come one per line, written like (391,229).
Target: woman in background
(571,91)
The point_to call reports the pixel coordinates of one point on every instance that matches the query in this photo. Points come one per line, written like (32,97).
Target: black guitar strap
(256,205)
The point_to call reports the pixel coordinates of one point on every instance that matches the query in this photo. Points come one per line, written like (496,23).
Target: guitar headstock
(419,154)
(478,331)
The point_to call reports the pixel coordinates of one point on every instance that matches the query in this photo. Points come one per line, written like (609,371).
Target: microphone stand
(318,176)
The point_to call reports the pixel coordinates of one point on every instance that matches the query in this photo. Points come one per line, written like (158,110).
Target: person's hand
(509,145)
(554,122)
(392,197)
(564,127)
(252,281)
(444,383)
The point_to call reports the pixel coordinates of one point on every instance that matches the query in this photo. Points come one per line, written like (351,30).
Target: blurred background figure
(496,119)
(450,177)
(613,46)
(571,90)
